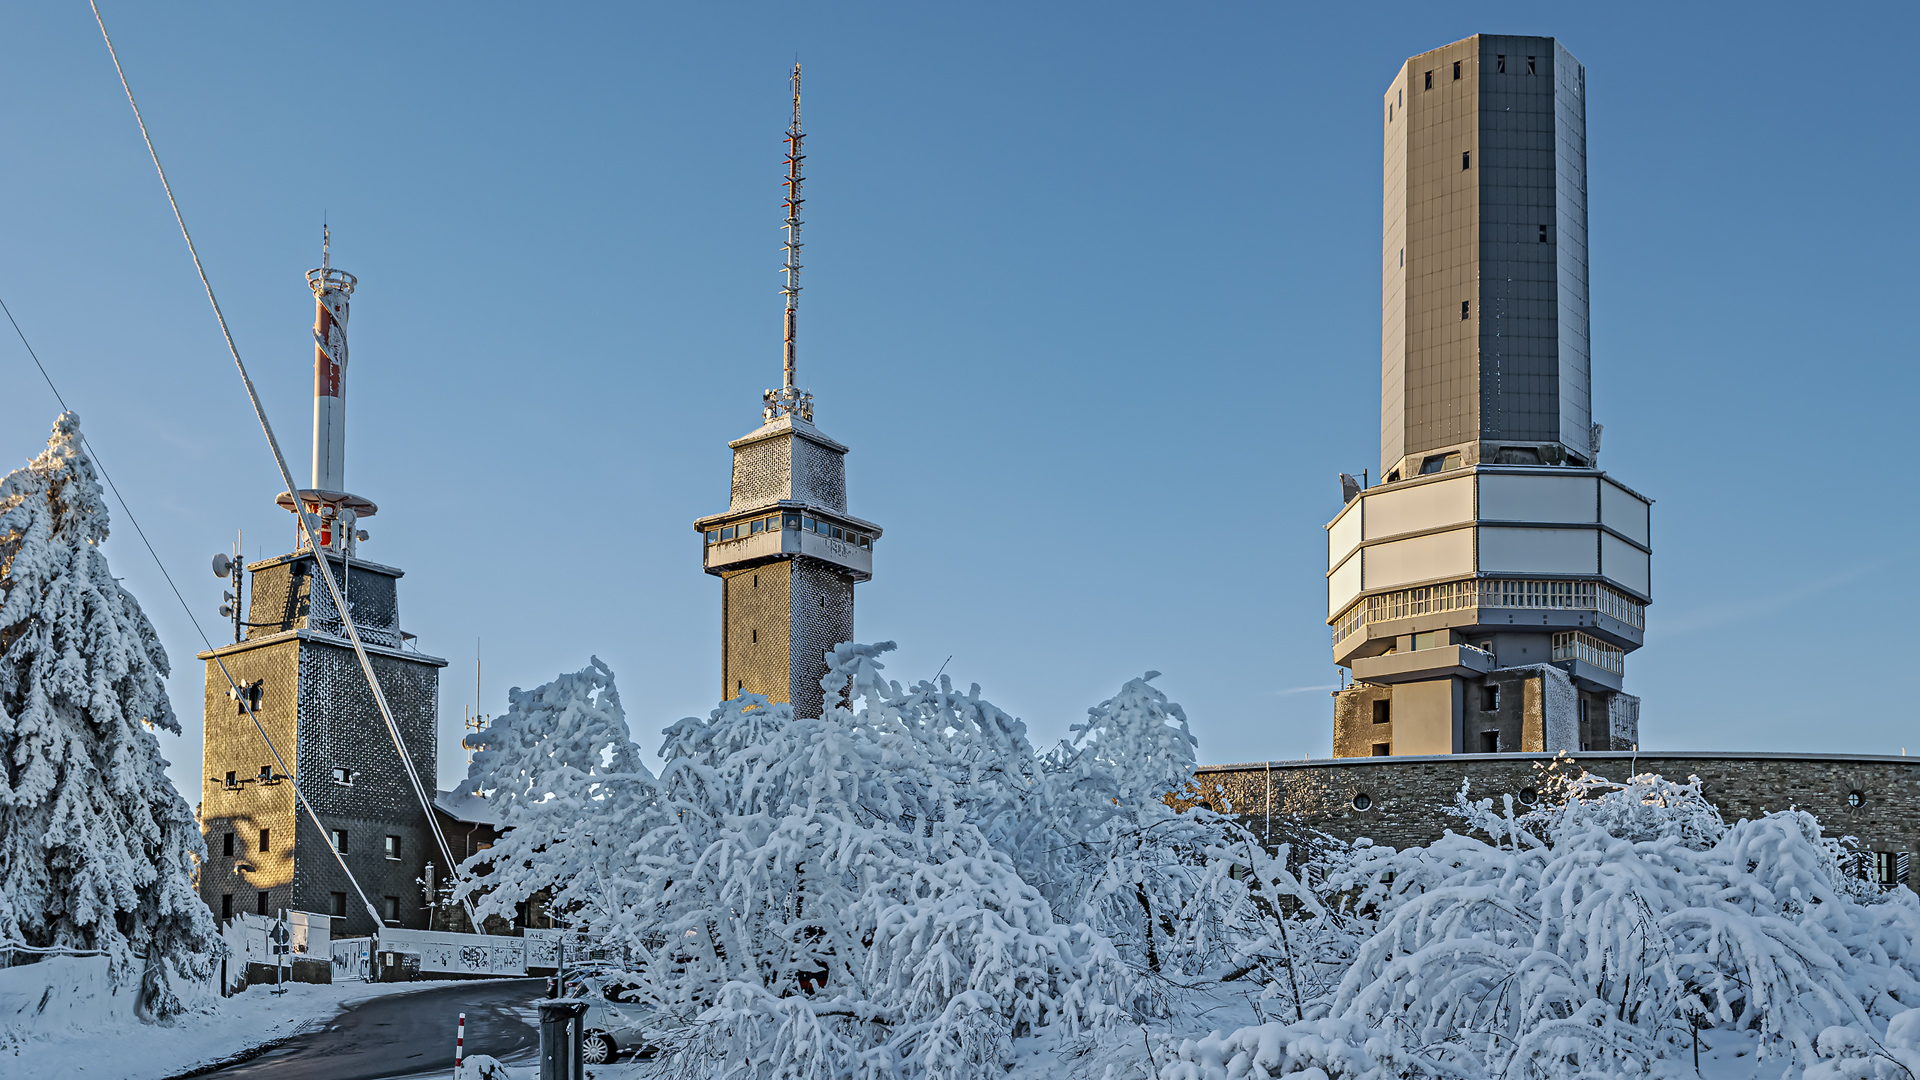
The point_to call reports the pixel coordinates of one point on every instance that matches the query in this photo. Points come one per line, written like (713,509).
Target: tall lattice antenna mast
(789,401)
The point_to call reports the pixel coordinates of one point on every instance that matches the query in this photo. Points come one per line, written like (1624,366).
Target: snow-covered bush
(1589,937)
(897,888)
(97,848)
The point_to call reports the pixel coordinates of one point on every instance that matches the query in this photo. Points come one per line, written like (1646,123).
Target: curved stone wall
(1405,797)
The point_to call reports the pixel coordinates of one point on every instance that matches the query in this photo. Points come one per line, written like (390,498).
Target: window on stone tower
(756,637)
(1382,712)
(339,905)
(1489,698)
(1429,82)
(226,845)
(393,909)
(343,776)
(1530,69)
(393,848)
(1500,63)
(264,900)
(226,905)
(1466,309)
(340,841)
(1466,160)
(1543,234)
(264,846)
(1456,71)
(1489,742)
(1381,749)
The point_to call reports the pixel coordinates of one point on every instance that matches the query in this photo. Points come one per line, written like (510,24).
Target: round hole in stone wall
(1529,796)
(1362,801)
(1856,799)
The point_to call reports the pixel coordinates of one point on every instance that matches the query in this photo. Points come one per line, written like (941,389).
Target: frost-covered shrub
(1591,936)
(898,888)
(97,848)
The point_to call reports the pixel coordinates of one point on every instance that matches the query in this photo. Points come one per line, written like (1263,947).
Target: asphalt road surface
(403,1034)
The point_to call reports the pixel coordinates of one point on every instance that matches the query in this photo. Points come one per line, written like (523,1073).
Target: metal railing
(1491,593)
(1574,645)
(13,954)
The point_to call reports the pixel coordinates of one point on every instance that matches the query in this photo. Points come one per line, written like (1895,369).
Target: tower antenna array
(789,401)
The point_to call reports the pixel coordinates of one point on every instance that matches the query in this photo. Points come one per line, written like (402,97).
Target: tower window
(232,781)
(263,900)
(1381,749)
(790,521)
(1530,69)
(393,910)
(339,905)
(340,841)
(1429,85)
(1489,742)
(1389,114)
(393,848)
(1466,308)
(713,536)
(727,533)
(226,845)
(264,845)
(1489,698)
(1500,63)
(343,776)
(226,905)
(1456,71)
(756,527)
(756,637)
(1466,160)
(1403,256)
(1543,234)
(1382,711)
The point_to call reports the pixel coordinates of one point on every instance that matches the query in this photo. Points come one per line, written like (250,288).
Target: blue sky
(1091,292)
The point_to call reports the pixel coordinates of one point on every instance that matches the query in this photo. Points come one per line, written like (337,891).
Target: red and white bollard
(460,1045)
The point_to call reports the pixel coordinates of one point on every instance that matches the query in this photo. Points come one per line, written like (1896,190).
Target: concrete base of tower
(1533,709)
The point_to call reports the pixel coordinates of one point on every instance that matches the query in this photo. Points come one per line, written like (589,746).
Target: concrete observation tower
(1486,591)
(786,550)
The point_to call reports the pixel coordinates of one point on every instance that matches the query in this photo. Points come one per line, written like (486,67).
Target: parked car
(616,1021)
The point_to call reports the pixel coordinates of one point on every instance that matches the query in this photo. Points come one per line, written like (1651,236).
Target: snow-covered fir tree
(97,848)
(562,770)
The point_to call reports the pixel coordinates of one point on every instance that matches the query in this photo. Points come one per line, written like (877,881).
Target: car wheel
(596,1048)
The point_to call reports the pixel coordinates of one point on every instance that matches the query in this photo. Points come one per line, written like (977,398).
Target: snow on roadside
(219,1030)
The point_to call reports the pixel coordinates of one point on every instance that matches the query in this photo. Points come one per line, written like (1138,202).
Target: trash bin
(561,1032)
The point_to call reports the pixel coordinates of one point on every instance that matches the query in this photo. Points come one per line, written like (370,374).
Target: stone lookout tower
(298,676)
(1486,591)
(786,550)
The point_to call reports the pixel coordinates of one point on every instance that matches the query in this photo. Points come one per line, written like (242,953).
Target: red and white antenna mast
(332,290)
(789,401)
(328,498)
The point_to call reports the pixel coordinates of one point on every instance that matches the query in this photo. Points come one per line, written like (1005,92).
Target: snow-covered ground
(103,1044)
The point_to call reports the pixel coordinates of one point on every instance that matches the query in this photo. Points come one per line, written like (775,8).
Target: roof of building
(467,806)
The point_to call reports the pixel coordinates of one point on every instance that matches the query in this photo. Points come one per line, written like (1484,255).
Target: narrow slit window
(1543,234)
(1403,256)
(226,846)
(1429,82)
(264,902)
(1466,160)
(1500,63)
(1530,67)
(1456,71)
(1466,309)
(264,845)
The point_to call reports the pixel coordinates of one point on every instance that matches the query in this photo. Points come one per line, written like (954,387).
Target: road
(403,1034)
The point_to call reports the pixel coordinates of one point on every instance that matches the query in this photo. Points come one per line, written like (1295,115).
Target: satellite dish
(222,566)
